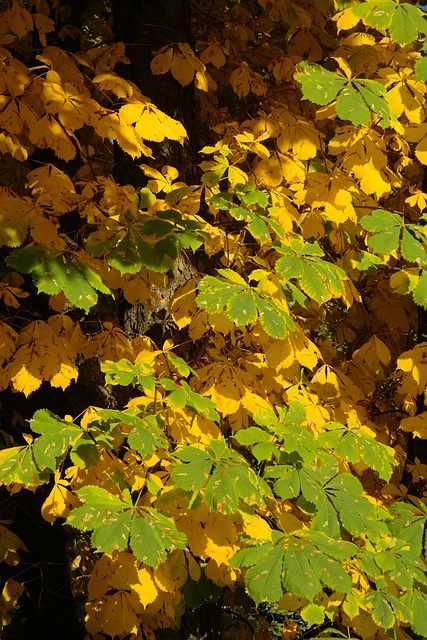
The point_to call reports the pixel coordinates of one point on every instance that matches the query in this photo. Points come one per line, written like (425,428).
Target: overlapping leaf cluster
(264,447)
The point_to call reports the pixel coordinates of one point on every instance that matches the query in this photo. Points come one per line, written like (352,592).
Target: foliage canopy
(255,439)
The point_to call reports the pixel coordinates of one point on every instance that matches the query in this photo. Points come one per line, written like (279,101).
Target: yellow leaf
(214,54)
(10,544)
(417,425)
(112,82)
(59,501)
(255,527)
(184,64)
(8,339)
(183,306)
(162,61)
(49,134)
(244,80)
(146,587)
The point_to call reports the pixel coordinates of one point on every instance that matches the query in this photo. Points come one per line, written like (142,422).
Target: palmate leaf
(242,303)
(356,513)
(53,272)
(403,21)
(153,535)
(408,523)
(318,85)
(125,373)
(353,445)
(112,518)
(145,435)
(317,278)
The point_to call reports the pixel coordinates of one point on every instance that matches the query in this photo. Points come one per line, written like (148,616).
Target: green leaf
(420,292)
(145,436)
(193,474)
(242,308)
(251,435)
(264,580)
(380,220)
(412,249)
(259,230)
(313,614)
(125,256)
(153,535)
(326,519)
(318,85)
(381,612)
(299,577)
(114,534)
(357,514)
(18,465)
(420,68)
(125,373)
(99,506)
(406,24)
(352,106)
(275,322)
(220,492)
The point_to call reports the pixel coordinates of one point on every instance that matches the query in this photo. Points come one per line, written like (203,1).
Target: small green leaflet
(416,601)
(319,85)
(403,21)
(408,523)
(54,271)
(380,609)
(56,437)
(18,465)
(145,435)
(194,470)
(113,519)
(153,535)
(420,68)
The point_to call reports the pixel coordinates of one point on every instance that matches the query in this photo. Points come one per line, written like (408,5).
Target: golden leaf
(59,501)
(10,544)
(49,134)
(41,354)
(417,425)
(10,595)
(182,306)
(162,61)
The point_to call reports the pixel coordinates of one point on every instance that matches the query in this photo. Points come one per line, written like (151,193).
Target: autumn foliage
(258,437)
